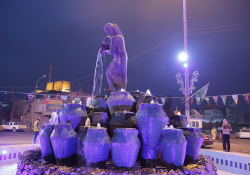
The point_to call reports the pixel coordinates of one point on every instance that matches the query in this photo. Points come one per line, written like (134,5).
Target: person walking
(226,128)
(213,133)
(36,129)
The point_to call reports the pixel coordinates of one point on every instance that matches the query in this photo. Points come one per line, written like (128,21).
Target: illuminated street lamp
(185,65)
(35,98)
(183,57)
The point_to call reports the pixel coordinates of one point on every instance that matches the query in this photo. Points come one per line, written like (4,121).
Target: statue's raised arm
(114,44)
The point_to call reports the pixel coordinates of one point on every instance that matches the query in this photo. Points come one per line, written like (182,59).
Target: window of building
(193,123)
(197,125)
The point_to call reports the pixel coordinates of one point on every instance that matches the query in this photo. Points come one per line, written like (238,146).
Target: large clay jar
(151,120)
(120,101)
(79,146)
(96,147)
(99,117)
(63,139)
(122,119)
(178,121)
(194,139)
(173,147)
(100,104)
(125,146)
(145,99)
(45,143)
(75,114)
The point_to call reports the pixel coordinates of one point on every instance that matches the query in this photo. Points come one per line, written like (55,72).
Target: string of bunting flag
(235,97)
(198,97)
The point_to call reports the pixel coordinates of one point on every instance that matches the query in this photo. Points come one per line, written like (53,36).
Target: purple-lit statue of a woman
(114,44)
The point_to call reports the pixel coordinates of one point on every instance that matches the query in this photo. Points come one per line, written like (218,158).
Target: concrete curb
(13,152)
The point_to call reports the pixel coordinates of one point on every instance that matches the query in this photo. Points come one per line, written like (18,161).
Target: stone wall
(30,163)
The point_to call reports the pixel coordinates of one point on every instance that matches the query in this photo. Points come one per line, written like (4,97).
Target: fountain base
(147,163)
(100,164)
(124,168)
(68,161)
(49,158)
(27,165)
(171,166)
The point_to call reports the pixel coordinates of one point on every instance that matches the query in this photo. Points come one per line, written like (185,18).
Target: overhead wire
(219,26)
(219,31)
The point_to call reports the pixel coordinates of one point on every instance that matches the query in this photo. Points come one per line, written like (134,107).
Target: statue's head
(112,29)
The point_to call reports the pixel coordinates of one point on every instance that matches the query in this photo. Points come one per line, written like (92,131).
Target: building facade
(212,115)
(43,106)
(231,112)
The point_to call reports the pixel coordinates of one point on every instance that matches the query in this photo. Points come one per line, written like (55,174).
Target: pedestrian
(221,136)
(36,129)
(213,133)
(87,122)
(226,128)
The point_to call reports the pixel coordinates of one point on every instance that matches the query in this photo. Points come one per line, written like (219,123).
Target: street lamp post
(35,98)
(187,113)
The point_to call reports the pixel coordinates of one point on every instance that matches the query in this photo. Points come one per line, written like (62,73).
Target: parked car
(208,140)
(14,126)
(242,133)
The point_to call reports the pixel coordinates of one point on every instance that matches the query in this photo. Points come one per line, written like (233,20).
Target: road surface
(236,144)
(16,138)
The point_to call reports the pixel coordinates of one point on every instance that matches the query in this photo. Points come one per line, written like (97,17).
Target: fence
(14,151)
(230,162)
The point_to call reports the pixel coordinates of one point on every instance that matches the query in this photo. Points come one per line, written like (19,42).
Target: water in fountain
(148,92)
(98,76)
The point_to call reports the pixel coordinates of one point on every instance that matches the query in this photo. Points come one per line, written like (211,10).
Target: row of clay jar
(90,146)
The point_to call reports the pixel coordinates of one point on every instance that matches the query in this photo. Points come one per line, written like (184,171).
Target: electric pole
(50,71)
(13,102)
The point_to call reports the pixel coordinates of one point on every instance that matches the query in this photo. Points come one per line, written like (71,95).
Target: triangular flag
(235,97)
(77,100)
(31,97)
(198,100)
(163,101)
(64,97)
(224,99)
(215,99)
(246,97)
(202,93)
(207,99)
(191,100)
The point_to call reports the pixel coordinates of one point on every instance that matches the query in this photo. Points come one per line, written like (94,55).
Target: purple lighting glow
(4,152)
(185,65)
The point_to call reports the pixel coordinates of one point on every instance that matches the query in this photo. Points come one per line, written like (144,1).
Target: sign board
(52,105)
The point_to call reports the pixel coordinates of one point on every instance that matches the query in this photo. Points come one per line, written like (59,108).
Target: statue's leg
(111,85)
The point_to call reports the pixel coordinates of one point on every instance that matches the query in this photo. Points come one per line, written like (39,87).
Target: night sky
(69,32)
